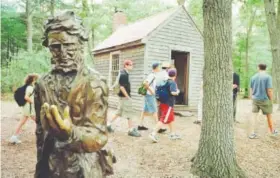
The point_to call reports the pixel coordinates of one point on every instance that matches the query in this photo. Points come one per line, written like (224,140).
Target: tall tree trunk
(216,156)
(29,25)
(8,48)
(87,19)
(273,25)
(52,7)
(248,35)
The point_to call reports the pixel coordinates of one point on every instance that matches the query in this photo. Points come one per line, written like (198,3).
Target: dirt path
(138,157)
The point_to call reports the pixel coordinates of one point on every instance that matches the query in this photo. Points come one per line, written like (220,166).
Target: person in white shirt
(28,109)
(150,105)
(161,79)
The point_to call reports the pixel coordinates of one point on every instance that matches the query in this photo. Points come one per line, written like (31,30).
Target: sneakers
(14,140)
(153,138)
(109,128)
(174,137)
(162,130)
(134,133)
(197,122)
(274,133)
(142,128)
(253,136)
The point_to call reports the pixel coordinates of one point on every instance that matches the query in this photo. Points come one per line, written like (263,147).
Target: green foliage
(16,63)
(21,65)
(13,32)
(195,10)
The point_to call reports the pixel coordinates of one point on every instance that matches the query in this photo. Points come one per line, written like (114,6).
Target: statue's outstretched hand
(52,121)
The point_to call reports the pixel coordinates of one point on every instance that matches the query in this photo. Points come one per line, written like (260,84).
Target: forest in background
(22,30)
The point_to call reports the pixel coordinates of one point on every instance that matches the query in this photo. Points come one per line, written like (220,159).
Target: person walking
(235,89)
(125,102)
(262,95)
(150,105)
(28,108)
(161,79)
(167,108)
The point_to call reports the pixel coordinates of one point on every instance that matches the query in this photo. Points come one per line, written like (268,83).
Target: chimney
(119,19)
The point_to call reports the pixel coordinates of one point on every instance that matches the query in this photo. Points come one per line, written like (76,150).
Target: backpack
(142,90)
(20,94)
(116,85)
(163,92)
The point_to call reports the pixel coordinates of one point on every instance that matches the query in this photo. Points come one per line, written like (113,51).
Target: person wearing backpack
(24,96)
(161,79)
(166,96)
(150,105)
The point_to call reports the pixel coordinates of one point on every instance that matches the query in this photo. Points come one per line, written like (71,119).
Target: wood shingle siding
(136,54)
(179,31)
(157,36)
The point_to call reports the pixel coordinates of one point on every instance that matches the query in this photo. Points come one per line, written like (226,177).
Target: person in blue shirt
(262,95)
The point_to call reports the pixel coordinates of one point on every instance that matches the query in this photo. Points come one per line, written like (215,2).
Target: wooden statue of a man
(71,106)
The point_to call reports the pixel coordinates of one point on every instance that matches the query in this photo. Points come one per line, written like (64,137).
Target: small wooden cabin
(169,36)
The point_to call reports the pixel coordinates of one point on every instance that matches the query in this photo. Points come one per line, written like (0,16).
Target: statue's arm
(39,130)
(91,134)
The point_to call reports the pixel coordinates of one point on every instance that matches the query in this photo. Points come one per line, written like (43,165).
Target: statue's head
(64,36)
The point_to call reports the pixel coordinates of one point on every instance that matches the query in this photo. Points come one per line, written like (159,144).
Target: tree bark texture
(273,26)
(248,35)
(216,157)
(29,25)
(52,7)
(88,25)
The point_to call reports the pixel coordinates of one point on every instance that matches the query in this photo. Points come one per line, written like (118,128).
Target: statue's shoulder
(43,79)
(93,75)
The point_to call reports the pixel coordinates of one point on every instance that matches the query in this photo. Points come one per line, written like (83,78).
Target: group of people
(162,112)
(262,99)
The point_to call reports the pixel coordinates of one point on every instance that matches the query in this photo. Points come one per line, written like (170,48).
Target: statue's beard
(68,64)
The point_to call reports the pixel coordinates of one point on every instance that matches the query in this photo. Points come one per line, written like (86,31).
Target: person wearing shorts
(261,94)
(28,109)
(150,105)
(125,102)
(161,79)
(167,108)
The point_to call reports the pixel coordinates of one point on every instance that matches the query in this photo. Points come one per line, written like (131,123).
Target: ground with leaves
(138,157)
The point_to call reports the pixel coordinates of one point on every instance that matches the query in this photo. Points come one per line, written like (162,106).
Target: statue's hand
(60,127)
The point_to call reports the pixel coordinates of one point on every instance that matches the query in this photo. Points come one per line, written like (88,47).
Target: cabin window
(115,67)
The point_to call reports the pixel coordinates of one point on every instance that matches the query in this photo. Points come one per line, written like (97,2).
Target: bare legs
(143,114)
(14,138)
(22,122)
(254,123)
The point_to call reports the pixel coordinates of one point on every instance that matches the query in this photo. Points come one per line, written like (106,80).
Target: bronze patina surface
(71,107)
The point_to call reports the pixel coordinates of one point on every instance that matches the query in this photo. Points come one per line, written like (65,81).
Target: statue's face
(66,51)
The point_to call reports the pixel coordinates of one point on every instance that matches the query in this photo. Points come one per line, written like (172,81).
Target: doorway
(181,63)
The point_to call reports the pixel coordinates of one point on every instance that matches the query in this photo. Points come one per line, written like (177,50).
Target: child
(28,108)
(167,108)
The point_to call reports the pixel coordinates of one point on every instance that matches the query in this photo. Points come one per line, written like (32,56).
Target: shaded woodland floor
(139,157)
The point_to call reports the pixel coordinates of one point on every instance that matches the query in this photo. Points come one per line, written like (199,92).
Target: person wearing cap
(150,105)
(161,79)
(162,76)
(167,108)
(125,102)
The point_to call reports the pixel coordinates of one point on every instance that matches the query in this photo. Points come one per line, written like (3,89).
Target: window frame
(110,82)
